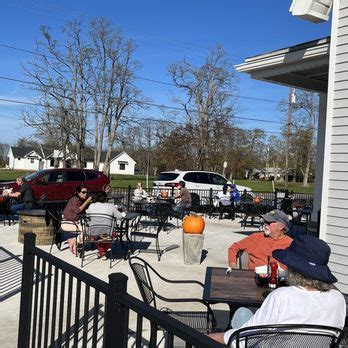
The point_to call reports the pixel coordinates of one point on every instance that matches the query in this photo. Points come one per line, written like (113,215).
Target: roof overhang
(303,66)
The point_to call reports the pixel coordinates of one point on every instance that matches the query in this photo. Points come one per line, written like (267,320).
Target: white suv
(194,179)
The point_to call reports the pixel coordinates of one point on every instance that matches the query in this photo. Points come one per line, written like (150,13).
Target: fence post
(129,197)
(27,291)
(116,319)
(211,197)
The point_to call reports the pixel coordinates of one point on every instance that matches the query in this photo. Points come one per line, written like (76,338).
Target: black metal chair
(163,213)
(249,210)
(242,259)
(5,209)
(286,336)
(99,229)
(53,216)
(203,321)
(226,209)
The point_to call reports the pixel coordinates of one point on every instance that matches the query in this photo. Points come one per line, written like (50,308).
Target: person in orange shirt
(260,245)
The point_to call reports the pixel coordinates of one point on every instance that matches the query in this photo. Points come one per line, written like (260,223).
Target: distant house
(25,158)
(34,159)
(120,163)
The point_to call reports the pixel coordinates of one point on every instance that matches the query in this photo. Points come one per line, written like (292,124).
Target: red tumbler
(273,277)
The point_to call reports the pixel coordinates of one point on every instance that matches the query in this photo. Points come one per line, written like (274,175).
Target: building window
(32,160)
(52,162)
(122,166)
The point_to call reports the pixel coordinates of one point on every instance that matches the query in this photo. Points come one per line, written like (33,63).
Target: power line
(150,119)
(153,80)
(161,106)
(174,108)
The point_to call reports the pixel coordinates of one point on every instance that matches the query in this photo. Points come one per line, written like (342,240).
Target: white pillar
(319,156)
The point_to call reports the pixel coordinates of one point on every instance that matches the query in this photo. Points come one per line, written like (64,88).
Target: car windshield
(167,176)
(34,175)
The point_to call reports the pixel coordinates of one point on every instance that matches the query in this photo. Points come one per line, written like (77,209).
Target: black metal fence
(64,306)
(206,196)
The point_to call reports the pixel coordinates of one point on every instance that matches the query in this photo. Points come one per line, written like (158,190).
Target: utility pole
(292,99)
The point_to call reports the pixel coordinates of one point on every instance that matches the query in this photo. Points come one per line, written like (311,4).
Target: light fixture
(312,10)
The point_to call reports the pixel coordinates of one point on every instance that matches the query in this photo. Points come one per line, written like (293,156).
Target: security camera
(312,10)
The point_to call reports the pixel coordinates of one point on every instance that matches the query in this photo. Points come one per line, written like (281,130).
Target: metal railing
(206,196)
(64,306)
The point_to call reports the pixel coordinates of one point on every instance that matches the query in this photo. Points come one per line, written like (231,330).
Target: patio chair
(226,209)
(203,321)
(286,336)
(162,219)
(242,259)
(100,230)
(56,219)
(249,210)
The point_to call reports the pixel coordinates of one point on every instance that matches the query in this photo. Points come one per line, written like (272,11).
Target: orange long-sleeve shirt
(259,247)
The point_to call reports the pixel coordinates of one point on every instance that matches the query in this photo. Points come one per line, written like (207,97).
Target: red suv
(59,184)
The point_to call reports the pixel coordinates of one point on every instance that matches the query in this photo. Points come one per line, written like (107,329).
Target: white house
(120,163)
(31,159)
(321,66)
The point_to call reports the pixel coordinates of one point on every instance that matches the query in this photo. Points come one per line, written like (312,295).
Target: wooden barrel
(34,221)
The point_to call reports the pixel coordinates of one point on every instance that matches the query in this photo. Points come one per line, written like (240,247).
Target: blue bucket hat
(308,256)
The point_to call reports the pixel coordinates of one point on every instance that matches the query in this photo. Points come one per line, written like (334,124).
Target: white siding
(334,226)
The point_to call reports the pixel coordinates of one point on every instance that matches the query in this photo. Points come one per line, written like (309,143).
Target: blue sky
(164,32)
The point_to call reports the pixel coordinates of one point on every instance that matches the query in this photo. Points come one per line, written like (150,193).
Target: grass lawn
(119,180)
(266,186)
(10,175)
(125,180)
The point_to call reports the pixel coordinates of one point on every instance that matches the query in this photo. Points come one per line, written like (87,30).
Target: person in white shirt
(310,298)
(100,224)
(224,196)
(139,194)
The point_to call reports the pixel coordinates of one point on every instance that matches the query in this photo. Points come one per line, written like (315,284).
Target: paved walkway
(218,235)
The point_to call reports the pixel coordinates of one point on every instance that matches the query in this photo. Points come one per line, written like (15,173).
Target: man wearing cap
(310,299)
(260,245)
(185,198)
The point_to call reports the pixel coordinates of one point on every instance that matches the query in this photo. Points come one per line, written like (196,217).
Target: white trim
(278,57)
(329,115)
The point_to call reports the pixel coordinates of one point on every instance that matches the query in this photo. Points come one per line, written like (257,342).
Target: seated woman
(225,203)
(76,206)
(224,196)
(139,194)
(100,224)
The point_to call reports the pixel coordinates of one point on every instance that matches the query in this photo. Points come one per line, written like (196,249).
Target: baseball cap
(277,216)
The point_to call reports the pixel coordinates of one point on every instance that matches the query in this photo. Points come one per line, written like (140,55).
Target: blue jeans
(21,206)
(240,317)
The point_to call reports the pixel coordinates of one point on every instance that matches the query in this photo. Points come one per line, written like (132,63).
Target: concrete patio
(218,235)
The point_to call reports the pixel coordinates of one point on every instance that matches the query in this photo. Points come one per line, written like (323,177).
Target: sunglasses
(84,192)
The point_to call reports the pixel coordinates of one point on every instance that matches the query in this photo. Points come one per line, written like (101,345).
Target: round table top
(33,212)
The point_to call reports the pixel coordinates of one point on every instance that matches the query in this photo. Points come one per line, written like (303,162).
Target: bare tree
(305,118)
(85,76)
(209,99)
(114,93)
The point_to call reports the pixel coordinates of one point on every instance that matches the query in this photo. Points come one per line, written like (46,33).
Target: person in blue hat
(310,297)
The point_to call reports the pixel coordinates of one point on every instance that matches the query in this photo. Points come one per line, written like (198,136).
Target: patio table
(238,289)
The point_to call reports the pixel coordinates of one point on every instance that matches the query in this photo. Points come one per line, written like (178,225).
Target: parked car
(195,180)
(59,184)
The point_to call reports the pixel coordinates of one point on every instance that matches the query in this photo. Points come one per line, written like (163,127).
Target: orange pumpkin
(193,224)
(164,194)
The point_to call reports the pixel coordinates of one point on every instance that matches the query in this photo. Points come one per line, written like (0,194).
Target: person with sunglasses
(75,207)
(260,245)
